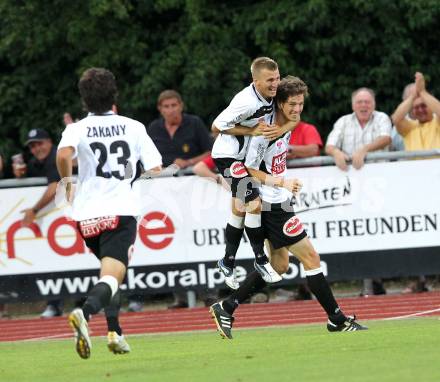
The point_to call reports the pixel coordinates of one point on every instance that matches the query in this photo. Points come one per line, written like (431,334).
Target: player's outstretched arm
(274,131)
(239,130)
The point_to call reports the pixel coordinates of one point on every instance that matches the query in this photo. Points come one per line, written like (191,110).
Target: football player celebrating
(266,161)
(107,147)
(236,124)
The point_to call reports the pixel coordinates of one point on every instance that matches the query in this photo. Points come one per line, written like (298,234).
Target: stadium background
(204,48)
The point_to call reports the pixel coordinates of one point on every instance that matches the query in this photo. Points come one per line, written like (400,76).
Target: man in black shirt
(181,138)
(42,164)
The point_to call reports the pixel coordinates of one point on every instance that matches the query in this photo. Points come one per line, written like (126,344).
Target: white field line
(63,335)
(412,315)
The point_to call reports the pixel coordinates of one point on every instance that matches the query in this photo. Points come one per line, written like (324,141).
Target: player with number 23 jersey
(108,147)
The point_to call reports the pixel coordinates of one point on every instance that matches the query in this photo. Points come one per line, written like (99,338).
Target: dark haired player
(107,147)
(266,161)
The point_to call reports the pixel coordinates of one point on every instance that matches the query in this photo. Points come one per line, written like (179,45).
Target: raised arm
(241,130)
(399,115)
(432,102)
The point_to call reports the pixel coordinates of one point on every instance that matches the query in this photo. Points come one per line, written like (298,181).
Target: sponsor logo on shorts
(293,227)
(238,170)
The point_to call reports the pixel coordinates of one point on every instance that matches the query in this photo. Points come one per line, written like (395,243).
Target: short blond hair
(262,63)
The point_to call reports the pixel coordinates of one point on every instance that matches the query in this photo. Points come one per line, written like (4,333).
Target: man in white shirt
(236,124)
(356,134)
(266,161)
(107,147)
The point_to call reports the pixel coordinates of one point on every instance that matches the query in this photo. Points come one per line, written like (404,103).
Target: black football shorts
(110,236)
(281,226)
(243,186)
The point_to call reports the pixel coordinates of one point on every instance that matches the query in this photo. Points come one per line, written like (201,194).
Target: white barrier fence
(383,220)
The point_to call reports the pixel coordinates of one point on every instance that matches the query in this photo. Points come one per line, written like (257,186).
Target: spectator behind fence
(181,138)
(360,132)
(356,134)
(305,141)
(422,130)
(41,164)
(417,120)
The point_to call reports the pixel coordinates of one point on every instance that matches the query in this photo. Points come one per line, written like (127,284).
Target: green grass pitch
(400,351)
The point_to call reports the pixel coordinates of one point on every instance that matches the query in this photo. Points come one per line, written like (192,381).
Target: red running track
(247,316)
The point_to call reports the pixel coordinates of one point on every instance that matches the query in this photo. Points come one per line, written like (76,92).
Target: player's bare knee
(279,259)
(281,267)
(113,267)
(311,260)
(238,207)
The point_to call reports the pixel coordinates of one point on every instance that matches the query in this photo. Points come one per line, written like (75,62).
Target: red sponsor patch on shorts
(93,227)
(238,170)
(293,227)
(279,163)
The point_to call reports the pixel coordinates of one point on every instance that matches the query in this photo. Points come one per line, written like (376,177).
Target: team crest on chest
(238,170)
(293,227)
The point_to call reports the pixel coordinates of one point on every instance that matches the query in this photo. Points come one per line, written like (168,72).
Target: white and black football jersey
(246,108)
(270,157)
(108,146)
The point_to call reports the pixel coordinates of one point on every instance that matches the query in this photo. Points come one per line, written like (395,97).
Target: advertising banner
(381,221)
